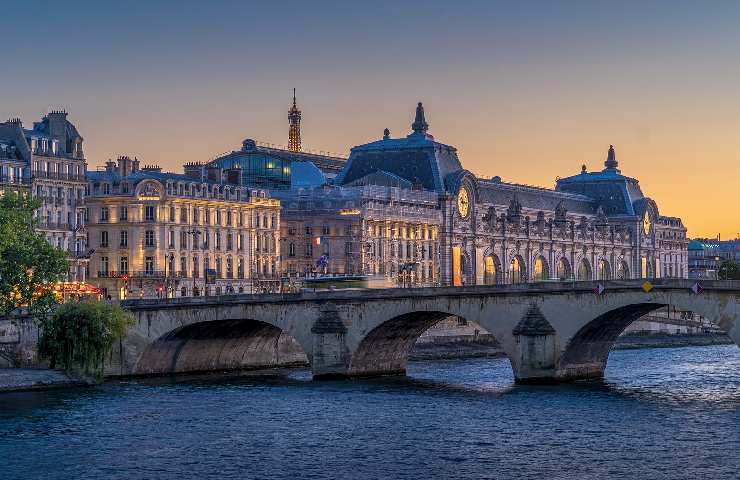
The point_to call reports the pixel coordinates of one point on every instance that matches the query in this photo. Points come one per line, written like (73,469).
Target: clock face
(646,223)
(463,202)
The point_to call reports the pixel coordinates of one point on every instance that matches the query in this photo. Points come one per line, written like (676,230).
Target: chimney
(58,128)
(152,168)
(135,165)
(124,165)
(110,166)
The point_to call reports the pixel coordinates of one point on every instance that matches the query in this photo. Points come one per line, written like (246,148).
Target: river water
(659,413)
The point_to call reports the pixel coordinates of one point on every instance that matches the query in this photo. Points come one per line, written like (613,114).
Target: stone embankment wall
(19,342)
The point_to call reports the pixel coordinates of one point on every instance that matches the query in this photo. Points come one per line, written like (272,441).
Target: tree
(28,263)
(81,335)
(729,270)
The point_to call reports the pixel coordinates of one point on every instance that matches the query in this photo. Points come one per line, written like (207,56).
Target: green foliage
(729,270)
(27,261)
(81,335)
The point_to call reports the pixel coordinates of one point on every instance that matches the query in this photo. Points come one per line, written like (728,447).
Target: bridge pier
(330,354)
(535,341)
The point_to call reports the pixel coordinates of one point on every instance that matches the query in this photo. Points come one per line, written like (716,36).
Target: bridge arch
(385,349)
(215,345)
(586,353)
(213,337)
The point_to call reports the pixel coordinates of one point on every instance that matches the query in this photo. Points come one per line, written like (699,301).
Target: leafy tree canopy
(27,262)
(81,335)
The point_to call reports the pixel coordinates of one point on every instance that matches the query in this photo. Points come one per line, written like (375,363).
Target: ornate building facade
(158,234)
(406,206)
(49,162)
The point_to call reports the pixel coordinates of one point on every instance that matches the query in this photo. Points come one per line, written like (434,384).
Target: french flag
(317,241)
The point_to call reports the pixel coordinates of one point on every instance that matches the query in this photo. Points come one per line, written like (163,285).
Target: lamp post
(195,234)
(171,258)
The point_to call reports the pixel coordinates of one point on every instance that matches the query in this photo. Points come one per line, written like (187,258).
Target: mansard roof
(381,177)
(615,193)
(416,158)
(535,198)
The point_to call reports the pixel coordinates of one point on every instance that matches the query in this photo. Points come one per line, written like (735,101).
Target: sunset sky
(525,90)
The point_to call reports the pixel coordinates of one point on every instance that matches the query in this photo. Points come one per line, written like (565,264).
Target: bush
(81,335)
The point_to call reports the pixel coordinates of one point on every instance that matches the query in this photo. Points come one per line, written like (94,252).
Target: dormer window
(106,189)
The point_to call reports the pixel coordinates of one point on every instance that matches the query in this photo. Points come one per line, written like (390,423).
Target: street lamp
(195,234)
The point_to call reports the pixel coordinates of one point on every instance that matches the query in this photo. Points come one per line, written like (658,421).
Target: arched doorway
(604,271)
(490,272)
(540,270)
(517,273)
(584,270)
(562,269)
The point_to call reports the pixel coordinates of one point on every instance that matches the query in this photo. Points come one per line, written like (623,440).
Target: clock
(463,202)
(647,223)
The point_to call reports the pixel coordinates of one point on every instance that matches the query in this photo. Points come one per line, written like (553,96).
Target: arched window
(623,271)
(490,273)
(604,272)
(584,271)
(516,270)
(540,270)
(562,269)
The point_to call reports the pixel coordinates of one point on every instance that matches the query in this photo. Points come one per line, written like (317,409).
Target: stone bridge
(550,331)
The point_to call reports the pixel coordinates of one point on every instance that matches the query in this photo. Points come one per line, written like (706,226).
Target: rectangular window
(183,240)
(171,242)
(184,215)
(291,249)
(103,266)
(123,236)
(229,241)
(123,213)
(183,267)
(149,266)
(172,214)
(149,215)
(218,217)
(228,218)
(104,214)
(309,249)
(149,238)
(196,216)
(240,242)
(218,240)
(104,238)
(123,266)
(207,216)
(195,267)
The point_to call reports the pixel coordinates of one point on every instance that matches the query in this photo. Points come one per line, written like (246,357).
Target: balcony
(58,176)
(8,180)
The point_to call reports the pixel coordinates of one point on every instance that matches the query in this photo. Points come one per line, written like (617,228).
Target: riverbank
(22,379)
(467,346)
(629,342)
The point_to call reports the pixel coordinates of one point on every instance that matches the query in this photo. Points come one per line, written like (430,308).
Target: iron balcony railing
(58,176)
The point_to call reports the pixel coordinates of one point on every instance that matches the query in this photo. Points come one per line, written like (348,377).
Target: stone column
(330,353)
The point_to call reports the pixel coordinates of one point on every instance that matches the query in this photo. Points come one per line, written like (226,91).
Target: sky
(526,90)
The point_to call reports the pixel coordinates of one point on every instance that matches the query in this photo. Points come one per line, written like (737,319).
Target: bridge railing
(475,290)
